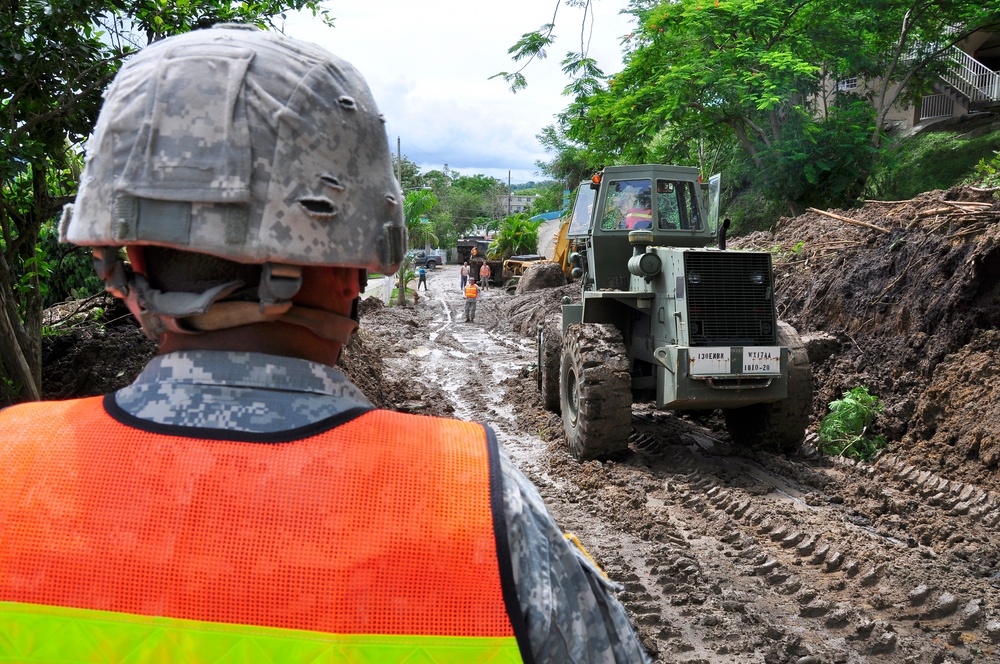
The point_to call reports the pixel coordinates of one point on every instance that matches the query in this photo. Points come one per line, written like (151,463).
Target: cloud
(428,64)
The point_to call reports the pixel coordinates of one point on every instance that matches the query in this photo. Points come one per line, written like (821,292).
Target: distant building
(968,82)
(515,203)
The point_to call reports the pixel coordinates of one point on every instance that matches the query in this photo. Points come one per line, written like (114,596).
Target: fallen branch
(939,225)
(81,306)
(984,190)
(908,200)
(970,231)
(966,206)
(848,220)
(833,244)
(934,211)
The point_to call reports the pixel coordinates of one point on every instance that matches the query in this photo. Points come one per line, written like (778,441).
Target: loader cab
(668,201)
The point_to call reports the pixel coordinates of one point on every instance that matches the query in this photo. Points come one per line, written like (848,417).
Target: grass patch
(933,159)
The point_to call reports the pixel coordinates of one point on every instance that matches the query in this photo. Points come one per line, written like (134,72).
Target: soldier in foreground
(242,500)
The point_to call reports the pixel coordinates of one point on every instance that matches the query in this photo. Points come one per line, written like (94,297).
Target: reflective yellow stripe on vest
(34,633)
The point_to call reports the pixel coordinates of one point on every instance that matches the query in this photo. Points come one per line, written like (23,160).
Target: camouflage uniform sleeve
(568,605)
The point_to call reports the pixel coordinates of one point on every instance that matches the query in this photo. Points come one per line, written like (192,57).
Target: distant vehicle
(472,246)
(430,261)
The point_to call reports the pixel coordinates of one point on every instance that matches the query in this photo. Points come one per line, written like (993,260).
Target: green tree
(416,206)
(478,184)
(550,199)
(699,75)
(517,235)
(409,172)
(572,162)
(56,57)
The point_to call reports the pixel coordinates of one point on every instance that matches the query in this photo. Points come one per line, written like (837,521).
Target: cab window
(677,206)
(628,205)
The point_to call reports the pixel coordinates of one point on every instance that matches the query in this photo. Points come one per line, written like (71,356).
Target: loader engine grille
(730,298)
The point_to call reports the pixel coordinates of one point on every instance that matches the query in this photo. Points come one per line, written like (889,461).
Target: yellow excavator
(515,266)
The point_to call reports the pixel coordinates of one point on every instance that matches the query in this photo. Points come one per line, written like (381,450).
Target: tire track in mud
(826,581)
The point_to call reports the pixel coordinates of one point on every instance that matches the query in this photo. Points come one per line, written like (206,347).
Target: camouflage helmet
(246,145)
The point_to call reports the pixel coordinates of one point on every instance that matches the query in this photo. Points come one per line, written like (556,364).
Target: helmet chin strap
(194,313)
(224,315)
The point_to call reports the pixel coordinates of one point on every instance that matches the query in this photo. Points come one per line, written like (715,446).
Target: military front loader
(665,318)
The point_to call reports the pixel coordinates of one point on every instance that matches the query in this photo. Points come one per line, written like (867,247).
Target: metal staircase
(968,81)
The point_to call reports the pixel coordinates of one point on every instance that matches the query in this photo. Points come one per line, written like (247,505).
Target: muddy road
(725,555)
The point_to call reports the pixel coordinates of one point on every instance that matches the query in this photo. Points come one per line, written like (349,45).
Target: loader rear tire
(778,426)
(595,391)
(549,351)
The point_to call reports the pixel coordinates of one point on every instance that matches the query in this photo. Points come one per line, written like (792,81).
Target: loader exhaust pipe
(722,233)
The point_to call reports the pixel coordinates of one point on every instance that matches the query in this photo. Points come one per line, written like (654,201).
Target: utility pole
(508,193)
(399,177)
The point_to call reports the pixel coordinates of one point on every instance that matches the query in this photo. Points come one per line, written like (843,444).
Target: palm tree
(419,228)
(517,235)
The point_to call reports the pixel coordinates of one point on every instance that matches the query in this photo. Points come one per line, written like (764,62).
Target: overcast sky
(428,64)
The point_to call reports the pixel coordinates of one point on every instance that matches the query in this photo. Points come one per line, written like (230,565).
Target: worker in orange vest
(242,498)
(484,276)
(471,297)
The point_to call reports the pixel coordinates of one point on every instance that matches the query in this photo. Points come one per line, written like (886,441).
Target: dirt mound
(524,312)
(540,275)
(911,290)
(104,350)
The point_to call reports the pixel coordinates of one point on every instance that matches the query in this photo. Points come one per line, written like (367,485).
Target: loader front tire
(595,391)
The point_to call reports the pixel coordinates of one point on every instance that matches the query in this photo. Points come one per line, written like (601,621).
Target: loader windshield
(628,205)
(632,204)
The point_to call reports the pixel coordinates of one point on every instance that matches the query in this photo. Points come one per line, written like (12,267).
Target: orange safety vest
(472,291)
(639,218)
(374,536)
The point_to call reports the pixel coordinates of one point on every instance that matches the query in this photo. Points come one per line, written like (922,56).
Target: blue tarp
(547,216)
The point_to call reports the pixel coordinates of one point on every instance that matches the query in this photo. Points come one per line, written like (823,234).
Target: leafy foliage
(56,57)
(550,199)
(517,235)
(932,159)
(404,276)
(416,206)
(988,172)
(845,430)
(409,172)
(700,76)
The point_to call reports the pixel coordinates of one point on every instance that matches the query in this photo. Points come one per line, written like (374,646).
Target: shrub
(845,430)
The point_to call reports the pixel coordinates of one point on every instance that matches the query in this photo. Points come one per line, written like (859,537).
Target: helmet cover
(246,145)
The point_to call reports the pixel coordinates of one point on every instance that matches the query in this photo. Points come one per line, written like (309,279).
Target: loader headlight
(757,278)
(694,278)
